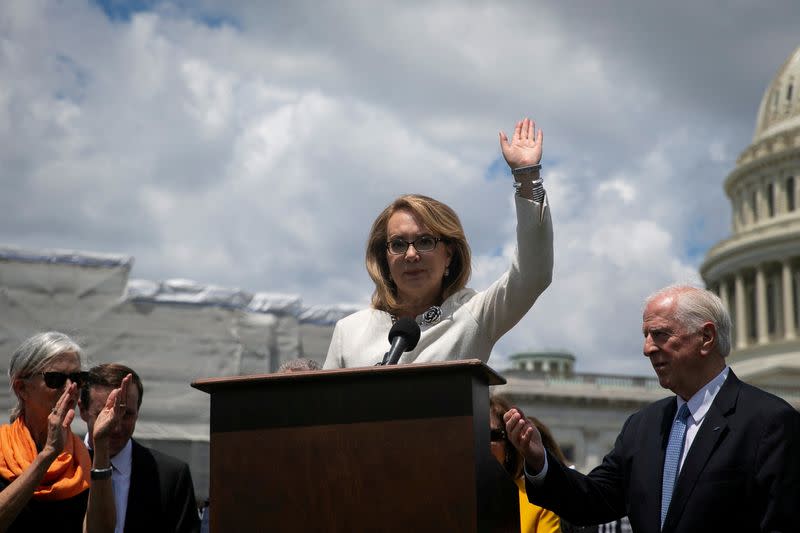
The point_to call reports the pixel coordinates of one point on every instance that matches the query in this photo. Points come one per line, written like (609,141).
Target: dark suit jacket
(161,495)
(741,474)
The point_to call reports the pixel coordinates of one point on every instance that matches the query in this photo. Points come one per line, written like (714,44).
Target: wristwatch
(101,473)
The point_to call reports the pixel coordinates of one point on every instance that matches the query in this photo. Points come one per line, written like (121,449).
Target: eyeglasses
(423,243)
(56,380)
(498,434)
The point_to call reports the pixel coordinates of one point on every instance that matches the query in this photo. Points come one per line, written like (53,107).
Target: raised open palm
(525,147)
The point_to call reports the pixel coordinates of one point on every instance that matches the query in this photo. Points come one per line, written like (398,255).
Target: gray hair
(34,354)
(696,306)
(298,365)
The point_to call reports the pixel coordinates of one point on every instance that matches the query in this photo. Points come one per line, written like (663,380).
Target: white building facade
(171,332)
(756,271)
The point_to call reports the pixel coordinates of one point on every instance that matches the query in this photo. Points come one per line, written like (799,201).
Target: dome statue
(756,271)
(780,108)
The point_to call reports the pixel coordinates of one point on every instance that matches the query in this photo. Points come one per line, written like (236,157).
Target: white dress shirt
(698,408)
(120,480)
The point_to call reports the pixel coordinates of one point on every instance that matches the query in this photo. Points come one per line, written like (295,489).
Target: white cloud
(256,153)
(626,191)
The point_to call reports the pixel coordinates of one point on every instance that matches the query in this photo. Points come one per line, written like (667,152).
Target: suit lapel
(136,504)
(711,433)
(133,512)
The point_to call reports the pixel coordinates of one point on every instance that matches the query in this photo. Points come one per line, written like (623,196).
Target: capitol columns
(724,294)
(788,300)
(741,318)
(761,305)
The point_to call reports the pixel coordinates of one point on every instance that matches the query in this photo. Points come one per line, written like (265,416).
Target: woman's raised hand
(59,421)
(525,147)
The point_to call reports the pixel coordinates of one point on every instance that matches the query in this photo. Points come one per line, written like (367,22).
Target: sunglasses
(497,435)
(56,380)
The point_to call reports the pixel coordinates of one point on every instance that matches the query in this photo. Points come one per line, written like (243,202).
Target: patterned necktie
(672,459)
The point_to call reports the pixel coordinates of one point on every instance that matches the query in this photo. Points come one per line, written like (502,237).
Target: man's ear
(709,334)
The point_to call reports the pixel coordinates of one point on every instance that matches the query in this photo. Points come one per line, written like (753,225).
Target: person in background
(547,439)
(153,491)
(418,257)
(205,517)
(719,455)
(532,518)
(48,482)
(301,364)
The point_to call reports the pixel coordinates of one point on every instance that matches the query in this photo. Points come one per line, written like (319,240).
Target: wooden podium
(401,448)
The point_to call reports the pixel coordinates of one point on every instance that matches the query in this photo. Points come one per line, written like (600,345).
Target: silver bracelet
(538,194)
(525,174)
(526,170)
(533,183)
(538,189)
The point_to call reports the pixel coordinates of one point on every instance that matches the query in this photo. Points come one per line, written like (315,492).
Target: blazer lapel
(707,440)
(136,500)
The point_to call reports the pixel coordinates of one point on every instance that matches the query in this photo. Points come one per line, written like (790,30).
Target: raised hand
(112,412)
(525,147)
(526,438)
(59,421)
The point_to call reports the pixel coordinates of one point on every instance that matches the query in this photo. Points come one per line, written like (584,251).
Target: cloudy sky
(249,144)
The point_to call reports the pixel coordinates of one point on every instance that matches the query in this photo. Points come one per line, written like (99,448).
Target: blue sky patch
(698,242)
(124,10)
(497,169)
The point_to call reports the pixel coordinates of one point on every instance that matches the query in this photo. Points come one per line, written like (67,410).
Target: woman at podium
(419,259)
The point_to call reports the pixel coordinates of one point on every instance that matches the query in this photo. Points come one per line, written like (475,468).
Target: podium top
(472,366)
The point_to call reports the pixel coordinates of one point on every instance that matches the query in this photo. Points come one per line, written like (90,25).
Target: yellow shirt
(532,518)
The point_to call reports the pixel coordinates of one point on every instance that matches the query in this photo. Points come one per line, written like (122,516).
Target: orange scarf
(68,476)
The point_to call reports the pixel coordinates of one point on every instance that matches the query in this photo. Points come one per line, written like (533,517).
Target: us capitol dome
(756,271)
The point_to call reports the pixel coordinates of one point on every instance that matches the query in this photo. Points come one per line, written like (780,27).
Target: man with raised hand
(153,491)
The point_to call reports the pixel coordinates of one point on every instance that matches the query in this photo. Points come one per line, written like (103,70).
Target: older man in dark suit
(721,455)
(153,491)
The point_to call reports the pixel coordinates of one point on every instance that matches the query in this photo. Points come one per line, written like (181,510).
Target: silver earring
(446,271)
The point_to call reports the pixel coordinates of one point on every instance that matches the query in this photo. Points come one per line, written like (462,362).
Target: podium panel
(399,448)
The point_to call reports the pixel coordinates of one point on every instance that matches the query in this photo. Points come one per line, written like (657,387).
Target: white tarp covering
(171,332)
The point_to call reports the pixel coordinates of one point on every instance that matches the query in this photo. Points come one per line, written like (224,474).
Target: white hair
(33,355)
(694,307)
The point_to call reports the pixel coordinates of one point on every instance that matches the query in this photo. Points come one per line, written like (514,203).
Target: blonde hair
(438,218)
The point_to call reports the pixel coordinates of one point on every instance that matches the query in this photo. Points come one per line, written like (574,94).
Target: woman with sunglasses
(47,479)
(532,518)
(420,262)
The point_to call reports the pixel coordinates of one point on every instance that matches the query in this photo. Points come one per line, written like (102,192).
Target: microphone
(403,337)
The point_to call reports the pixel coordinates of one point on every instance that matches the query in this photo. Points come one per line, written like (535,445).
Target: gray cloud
(251,144)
